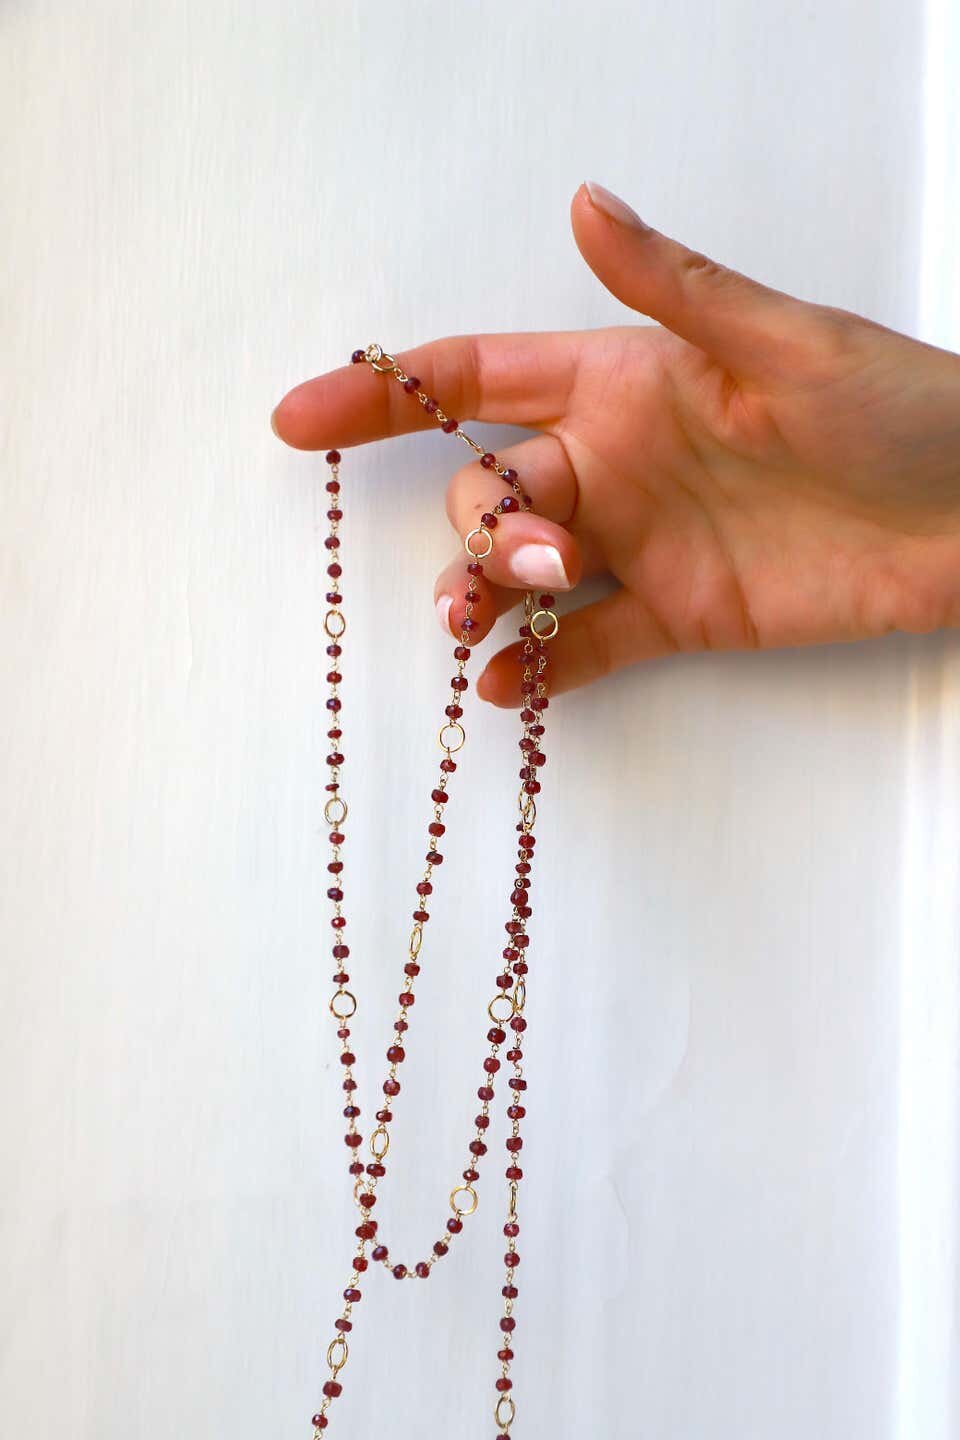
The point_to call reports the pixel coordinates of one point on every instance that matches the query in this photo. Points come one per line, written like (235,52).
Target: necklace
(505,1011)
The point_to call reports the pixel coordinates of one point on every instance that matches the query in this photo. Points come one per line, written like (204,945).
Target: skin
(753,471)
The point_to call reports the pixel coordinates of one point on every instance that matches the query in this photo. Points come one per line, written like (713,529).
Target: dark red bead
(433,857)
(489,520)
(396,1054)
(504,1384)
(506,1355)
(411,384)
(357,357)
(448,766)
(436,828)
(367,1230)
(440,1249)
(514,1143)
(516,1112)
(474,568)
(459,682)
(399,1272)
(347,1058)
(424,888)
(391,1087)
(510,475)
(407,999)
(454,1225)
(421,916)
(341,951)
(353,1140)
(320,1421)
(359,1261)
(351,1111)
(332,542)
(477,1147)
(431,406)
(488,460)
(485,1092)
(384,1116)
(491,1065)
(508,503)
(423,1269)
(351,1294)
(470,1176)
(334,597)
(334,571)
(496,1036)
(375,1168)
(334,650)
(367,1201)
(449,426)
(332,1388)
(510,1292)
(482,1122)
(547,602)
(379,1252)
(462,652)
(513,1172)
(511,1230)
(333,457)
(344,1326)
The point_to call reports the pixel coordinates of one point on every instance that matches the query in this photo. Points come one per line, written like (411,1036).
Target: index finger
(508,379)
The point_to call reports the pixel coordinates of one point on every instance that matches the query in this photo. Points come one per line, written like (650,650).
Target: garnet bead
(489,520)
(449,426)
(357,357)
(411,384)
(488,460)
(508,503)
(399,1272)
(333,457)
(332,1389)
(379,1252)
(423,1269)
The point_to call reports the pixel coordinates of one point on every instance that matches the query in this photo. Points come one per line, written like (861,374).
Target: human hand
(755,471)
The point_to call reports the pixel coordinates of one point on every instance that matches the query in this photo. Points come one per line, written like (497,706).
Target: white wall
(742,1039)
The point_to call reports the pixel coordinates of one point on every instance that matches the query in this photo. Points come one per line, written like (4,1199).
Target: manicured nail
(443,613)
(484,686)
(613,206)
(273,423)
(538,564)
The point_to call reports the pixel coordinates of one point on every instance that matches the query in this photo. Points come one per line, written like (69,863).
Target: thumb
(746,326)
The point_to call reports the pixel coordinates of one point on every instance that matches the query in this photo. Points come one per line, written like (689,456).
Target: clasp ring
(378,358)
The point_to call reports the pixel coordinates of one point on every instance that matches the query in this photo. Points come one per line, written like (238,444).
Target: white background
(741,1206)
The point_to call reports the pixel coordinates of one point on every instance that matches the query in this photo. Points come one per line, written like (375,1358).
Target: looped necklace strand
(505,1011)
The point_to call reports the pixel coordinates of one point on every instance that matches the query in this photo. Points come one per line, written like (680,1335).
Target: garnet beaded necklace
(505,1010)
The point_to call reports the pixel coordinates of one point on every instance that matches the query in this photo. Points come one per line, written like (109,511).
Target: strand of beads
(479,544)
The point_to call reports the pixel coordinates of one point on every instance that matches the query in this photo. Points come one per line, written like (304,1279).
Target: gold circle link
(338,1346)
(452,725)
(544,634)
(342,1014)
(501,999)
(504,1421)
(336,615)
(519,996)
(463,1190)
(335,819)
(416,940)
(479,554)
(379,1143)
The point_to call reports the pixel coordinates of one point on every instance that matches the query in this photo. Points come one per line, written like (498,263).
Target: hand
(758,472)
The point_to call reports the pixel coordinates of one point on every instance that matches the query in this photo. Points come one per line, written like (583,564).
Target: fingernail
(484,687)
(613,206)
(273,423)
(443,613)
(538,564)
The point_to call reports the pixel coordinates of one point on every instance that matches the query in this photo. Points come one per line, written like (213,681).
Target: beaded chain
(505,1010)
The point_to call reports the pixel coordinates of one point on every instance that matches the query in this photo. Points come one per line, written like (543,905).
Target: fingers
(744,325)
(592,642)
(511,379)
(531,550)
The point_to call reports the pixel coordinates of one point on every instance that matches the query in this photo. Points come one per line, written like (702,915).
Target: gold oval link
(341,630)
(338,1345)
(519,996)
(379,1143)
(342,1014)
(416,940)
(335,819)
(505,1421)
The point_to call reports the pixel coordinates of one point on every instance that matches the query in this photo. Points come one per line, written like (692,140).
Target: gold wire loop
(342,1013)
(501,999)
(379,1143)
(339,805)
(416,940)
(478,554)
(505,1420)
(340,1349)
(459,730)
(553,624)
(459,1210)
(528,810)
(340,627)
(518,997)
